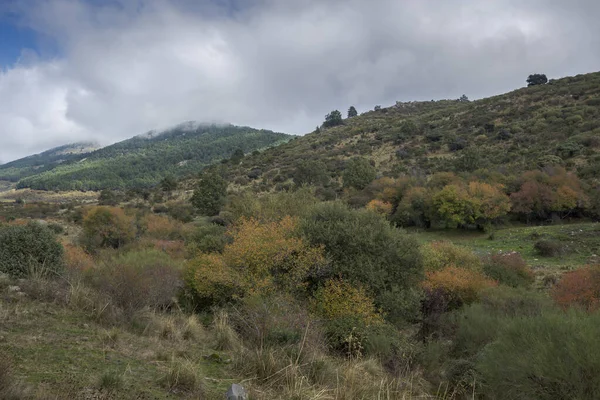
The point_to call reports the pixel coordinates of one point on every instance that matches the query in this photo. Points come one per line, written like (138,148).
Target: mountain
(553,124)
(144,160)
(35,164)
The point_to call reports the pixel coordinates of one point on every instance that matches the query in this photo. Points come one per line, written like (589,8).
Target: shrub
(339,299)
(275,321)
(139,279)
(268,255)
(208,238)
(77,260)
(460,285)
(272,206)
(509,269)
(442,254)
(107,227)
(183,377)
(380,207)
(549,248)
(29,248)
(209,194)
(365,249)
(211,281)
(551,356)
(358,173)
(479,324)
(160,227)
(414,209)
(580,288)
(180,211)
(261,258)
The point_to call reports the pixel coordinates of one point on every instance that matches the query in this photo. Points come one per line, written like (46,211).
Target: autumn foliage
(260,258)
(442,254)
(162,227)
(380,207)
(580,288)
(76,259)
(542,193)
(339,299)
(107,227)
(459,285)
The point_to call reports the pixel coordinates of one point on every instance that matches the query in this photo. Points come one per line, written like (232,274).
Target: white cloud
(136,65)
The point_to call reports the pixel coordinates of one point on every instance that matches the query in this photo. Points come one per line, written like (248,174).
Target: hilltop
(49,159)
(141,161)
(555,124)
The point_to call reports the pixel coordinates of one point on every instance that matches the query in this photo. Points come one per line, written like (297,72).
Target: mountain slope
(529,128)
(32,165)
(144,160)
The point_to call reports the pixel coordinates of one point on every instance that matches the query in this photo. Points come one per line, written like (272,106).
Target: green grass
(581,239)
(61,353)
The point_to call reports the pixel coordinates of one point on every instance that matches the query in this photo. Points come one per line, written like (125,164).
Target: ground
(63,353)
(581,242)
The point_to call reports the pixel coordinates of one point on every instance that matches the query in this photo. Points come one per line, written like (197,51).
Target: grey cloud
(140,64)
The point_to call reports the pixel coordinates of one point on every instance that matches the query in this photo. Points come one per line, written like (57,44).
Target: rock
(236,392)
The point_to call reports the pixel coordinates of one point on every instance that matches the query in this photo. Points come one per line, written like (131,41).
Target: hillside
(553,124)
(144,160)
(35,164)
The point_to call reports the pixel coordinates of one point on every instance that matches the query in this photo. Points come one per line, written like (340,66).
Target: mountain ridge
(143,160)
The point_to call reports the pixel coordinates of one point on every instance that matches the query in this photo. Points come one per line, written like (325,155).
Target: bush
(459,285)
(160,227)
(509,269)
(208,238)
(549,248)
(551,356)
(358,173)
(107,227)
(77,260)
(180,211)
(274,322)
(339,299)
(442,254)
(380,207)
(580,288)
(139,279)
(261,259)
(365,249)
(30,248)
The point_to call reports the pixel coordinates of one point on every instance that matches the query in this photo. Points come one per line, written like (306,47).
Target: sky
(106,70)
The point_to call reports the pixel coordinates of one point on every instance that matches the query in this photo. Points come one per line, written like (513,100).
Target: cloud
(127,66)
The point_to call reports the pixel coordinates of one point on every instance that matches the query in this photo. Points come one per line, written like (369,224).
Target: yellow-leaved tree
(262,257)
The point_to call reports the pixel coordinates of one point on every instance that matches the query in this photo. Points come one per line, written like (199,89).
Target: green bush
(551,356)
(29,248)
(359,173)
(549,248)
(366,250)
(208,238)
(509,269)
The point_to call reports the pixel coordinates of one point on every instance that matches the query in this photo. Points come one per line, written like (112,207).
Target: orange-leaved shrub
(260,258)
(460,285)
(77,259)
(107,227)
(162,227)
(580,288)
(380,207)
